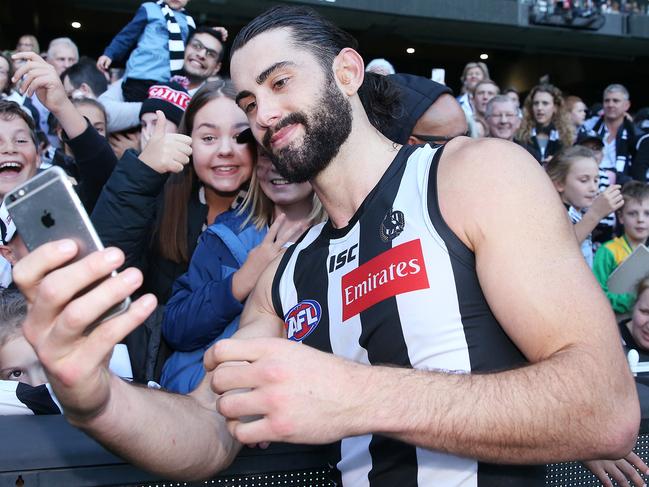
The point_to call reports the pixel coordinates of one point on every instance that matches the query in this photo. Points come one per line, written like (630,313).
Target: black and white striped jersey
(17,398)
(396,286)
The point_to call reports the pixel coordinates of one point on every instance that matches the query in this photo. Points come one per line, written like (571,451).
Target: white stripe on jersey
(356,461)
(287,286)
(449,351)
(431,322)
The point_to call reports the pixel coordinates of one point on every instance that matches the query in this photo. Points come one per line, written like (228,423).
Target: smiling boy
(634,216)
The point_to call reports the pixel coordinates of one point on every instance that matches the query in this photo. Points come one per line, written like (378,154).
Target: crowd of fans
(590,7)
(165,164)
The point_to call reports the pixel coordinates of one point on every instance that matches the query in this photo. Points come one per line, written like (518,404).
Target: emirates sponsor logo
(396,271)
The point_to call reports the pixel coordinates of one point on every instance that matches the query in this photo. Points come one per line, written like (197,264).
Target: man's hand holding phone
(63,304)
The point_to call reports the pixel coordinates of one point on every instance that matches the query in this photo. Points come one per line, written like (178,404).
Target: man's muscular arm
(175,436)
(576,400)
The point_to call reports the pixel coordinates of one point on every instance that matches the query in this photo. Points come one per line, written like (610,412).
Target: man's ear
(413,140)
(8,254)
(349,70)
(216,69)
(86,90)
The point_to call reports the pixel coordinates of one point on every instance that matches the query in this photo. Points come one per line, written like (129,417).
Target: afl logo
(302,319)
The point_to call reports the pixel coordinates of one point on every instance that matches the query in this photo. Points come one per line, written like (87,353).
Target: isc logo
(302,319)
(339,260)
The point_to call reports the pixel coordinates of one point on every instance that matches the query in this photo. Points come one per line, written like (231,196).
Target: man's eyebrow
(263,76)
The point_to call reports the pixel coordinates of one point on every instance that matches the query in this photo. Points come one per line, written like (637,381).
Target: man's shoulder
(485,155)
(481,180)
(591,122)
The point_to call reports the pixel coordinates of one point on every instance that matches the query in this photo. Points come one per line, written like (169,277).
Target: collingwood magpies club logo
(392,225)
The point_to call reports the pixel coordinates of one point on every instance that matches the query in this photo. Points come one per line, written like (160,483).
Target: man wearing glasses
(202,60)
(502,117)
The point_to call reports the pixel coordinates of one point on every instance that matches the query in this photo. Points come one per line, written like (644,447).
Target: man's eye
(15,374)
(249,107)
(280,83)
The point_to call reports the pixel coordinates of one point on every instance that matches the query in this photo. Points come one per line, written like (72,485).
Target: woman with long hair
(155,209)
(155,215)
(209,298)
(546,125)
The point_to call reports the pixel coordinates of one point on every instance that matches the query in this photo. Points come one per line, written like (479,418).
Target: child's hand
(223,31)
(623,471)
(166,152)
(38,76)
(608,201)
(104,62)
(120,143)
(244,280)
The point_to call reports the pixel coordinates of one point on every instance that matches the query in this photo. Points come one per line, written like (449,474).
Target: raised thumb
(160,124)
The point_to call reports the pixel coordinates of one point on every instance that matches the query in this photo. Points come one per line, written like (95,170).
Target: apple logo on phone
(47,219)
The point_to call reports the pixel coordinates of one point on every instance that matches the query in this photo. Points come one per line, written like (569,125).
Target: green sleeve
(603,266)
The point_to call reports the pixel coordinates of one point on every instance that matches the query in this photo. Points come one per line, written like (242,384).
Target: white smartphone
(438,75)
(47,208)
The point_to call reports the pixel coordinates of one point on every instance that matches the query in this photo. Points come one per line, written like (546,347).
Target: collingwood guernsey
(396,286)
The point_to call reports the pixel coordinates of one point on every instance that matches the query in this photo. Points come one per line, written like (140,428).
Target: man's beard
(326,128)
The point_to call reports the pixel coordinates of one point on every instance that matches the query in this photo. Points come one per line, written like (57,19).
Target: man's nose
(268,113)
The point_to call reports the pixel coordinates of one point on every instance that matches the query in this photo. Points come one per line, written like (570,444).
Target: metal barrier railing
(46,451)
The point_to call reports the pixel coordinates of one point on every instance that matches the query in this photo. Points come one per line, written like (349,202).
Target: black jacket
(125,216)
(92,165)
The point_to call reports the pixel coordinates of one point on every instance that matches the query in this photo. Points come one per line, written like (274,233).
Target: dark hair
(381,99)
(7,89)
(214,33)
(308,30)
(91,102)
(634,191)
(13,310)
(641,117)
(171,233)
(10,110)
(86,71)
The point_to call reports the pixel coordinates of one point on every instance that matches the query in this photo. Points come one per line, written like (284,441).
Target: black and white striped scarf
(624,143)
(176,44)
(553,144)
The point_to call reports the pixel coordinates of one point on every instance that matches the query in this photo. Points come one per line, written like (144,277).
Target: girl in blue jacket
(208,299)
